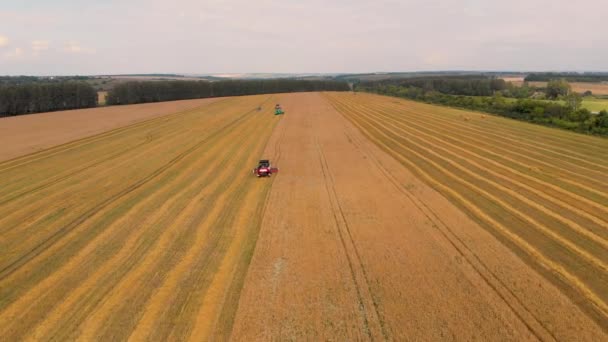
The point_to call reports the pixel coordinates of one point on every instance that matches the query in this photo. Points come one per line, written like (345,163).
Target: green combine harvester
(278,110)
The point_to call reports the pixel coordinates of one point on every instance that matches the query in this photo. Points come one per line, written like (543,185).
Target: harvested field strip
(507,206)
(139,238)
(532,166)
(512,194)
(512,177)
(79,143)
(87,198)
(569,243)
(530,153)
(121,139)
(579,145)
(496,127)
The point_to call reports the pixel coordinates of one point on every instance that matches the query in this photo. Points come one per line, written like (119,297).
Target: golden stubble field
(542,192)
(130,232)
(389,220)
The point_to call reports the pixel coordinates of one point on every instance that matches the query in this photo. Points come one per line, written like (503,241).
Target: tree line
(36,97)
(571,77)
(156,91)
(14,80)
(472,85)
(567,114)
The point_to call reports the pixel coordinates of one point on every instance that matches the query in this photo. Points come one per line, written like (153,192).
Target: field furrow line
(406,129)
(163,262)
(25,207)
(169,128)
(198,266)
(369,308)
(78,143)
(595,180)
(596,160)
(222,296)
(139,205)
(461,140)
(523,130)
(70,174)
(7,270)
(498,141)
(558,238)
(82,300)
(525,246)
(575,159)
(508,297)
(206,261)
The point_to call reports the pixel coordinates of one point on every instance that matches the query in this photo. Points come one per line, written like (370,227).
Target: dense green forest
(567,115)
(36,97)
(141,92)
(26,95)
(570,77)
(470,85)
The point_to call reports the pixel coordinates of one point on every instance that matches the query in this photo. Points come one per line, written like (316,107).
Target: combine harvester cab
(278,110)
(264,169)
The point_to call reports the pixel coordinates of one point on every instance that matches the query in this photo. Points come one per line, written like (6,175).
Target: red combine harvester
(264,169)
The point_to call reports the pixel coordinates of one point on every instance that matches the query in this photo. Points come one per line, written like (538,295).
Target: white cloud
(14,53)
(3,41)
(75,47)
(40,45)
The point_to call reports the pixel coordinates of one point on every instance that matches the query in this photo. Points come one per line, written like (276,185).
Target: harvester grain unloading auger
(264,169)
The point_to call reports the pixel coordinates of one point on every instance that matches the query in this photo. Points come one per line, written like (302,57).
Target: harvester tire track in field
(73,173)
(544,229)
(208,257)
(489,277)
(574,226)
(61,148)
(521,146)
(513,136)
(496,138)
(540,183)
(543,184)
(132,261)
(108,170)
(497,147)
(525,154)
(389,220)
(9,269)
(551,266)
(373,323)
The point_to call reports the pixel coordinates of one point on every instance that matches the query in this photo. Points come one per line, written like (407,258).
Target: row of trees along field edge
(27,98)
(141,92)
(28,95)
(554,105)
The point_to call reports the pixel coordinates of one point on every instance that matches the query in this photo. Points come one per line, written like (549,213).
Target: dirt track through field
(353,245)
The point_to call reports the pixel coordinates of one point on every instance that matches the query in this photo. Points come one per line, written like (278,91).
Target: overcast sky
(48,37)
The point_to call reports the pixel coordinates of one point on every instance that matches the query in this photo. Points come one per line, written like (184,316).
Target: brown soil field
(389,220)
(579,87)
(20,135)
